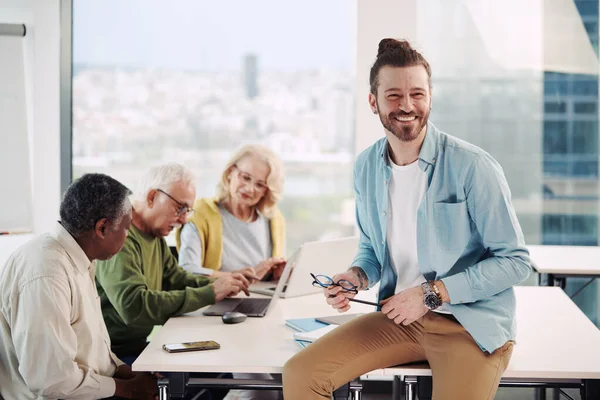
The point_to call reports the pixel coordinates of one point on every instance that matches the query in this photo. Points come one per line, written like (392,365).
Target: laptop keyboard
(254,307)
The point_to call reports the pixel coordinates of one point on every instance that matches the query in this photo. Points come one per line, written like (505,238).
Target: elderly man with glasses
(143,285)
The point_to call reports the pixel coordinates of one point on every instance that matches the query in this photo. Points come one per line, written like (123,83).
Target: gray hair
(162,177)
(91,198)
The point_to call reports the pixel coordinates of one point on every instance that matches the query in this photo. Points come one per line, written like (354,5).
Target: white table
(561,262)
(556,343)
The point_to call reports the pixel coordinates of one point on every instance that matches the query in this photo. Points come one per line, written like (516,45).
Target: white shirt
(53,340)
(407,187)
(245,244)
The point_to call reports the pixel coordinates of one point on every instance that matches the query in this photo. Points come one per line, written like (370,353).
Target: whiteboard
(15,176)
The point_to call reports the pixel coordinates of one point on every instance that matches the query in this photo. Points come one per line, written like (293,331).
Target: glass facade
(570,138)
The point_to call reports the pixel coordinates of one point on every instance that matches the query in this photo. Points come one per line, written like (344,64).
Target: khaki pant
(461,370)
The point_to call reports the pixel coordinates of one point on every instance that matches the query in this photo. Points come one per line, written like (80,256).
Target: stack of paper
(304,325)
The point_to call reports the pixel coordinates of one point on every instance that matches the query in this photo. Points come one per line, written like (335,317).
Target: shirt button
(384,213)
(383,242)
(385,182)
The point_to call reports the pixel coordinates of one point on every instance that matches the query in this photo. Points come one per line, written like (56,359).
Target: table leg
(591,389)
(356,394)
(343,392)
(540,393)
(550,280)
(410,386)
(397,388)
(555,394)
(163,393)
(424,387)
(562,282)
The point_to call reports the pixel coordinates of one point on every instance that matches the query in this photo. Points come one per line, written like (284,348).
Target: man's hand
(141,386)
(266,265)
(124,372)
(336,296)
(405,307)
(230,285)
(249,273)
(144,386)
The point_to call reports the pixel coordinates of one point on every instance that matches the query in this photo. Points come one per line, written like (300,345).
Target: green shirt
(143,286)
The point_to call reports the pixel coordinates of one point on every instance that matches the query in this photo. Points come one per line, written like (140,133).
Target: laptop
(325,257)
(252,307)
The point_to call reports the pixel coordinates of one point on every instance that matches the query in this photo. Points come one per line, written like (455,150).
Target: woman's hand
(267,265)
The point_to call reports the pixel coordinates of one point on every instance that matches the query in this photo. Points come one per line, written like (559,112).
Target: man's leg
(460,369)
(364,344)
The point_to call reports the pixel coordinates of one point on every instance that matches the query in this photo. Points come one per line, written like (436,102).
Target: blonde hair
(268,203)
(162,177)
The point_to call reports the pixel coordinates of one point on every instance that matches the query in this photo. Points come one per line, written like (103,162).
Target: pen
(370,303)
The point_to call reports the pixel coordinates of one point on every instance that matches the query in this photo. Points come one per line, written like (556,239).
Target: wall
(42,67)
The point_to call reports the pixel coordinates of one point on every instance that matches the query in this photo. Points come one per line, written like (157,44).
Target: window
(193,90)
(585,108)
(555,107)
(585,88)
(555,88)
(585,137)
(587,7)
(591,28)
(190,81)
(555,141)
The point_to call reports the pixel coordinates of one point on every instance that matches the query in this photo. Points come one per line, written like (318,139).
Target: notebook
(305,324)
(337,319)
(314,335)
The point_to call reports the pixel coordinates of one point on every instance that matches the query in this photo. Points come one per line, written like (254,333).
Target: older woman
(241,229)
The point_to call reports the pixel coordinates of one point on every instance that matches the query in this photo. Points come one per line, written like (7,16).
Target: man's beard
(404,133)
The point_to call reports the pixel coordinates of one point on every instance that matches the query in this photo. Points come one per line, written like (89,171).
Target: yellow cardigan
(207,220)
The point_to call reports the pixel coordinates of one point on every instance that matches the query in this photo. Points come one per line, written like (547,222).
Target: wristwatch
(431,295)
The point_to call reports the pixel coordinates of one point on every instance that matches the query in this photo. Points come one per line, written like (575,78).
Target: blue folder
(304,324)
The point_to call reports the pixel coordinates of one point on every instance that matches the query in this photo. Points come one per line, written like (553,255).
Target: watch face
(431,301)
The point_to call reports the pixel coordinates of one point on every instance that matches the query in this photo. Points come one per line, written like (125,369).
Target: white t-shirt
(407,187)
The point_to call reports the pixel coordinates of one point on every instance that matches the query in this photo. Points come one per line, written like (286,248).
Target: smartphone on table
(191,346)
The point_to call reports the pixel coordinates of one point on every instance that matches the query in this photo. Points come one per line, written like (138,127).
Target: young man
(439,232)
(143,285)
(53,341)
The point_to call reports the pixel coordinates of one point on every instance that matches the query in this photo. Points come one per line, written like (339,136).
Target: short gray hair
(91,198)
(162,177)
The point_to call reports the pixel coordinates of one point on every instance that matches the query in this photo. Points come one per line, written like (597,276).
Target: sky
(214,35)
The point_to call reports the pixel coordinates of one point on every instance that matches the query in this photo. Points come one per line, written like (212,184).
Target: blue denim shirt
(468,235)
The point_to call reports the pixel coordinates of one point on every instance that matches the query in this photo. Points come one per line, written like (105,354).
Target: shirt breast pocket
(452,225)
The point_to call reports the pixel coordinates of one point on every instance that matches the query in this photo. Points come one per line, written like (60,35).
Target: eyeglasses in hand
(325,282)
(347,287)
